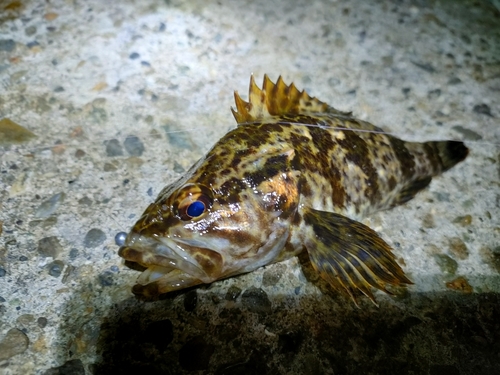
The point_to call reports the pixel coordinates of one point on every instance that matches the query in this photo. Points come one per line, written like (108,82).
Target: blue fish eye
(195,209)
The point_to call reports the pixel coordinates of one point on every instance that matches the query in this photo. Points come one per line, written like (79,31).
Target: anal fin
(349,255)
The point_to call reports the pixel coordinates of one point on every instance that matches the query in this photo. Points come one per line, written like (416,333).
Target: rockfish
(295,174)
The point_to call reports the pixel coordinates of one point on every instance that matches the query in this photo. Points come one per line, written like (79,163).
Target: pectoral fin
(349,255)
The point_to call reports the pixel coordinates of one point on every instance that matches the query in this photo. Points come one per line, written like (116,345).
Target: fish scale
(294,175)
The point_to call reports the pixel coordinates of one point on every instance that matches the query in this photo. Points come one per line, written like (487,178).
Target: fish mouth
(167,265)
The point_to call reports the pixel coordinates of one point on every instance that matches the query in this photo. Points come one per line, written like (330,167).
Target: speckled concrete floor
(124,97)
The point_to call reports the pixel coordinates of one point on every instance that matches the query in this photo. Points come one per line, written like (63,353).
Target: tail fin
(450,152)
(440,156)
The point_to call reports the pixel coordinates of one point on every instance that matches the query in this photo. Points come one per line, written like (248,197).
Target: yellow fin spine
(276,99)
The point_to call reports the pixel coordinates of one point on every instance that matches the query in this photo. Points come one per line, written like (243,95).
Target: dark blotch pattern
(405,158)
(357,152)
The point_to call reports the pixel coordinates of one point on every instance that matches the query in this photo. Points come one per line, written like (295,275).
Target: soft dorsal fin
(275,99)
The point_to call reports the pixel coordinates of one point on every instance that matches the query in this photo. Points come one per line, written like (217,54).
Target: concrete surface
(124,97)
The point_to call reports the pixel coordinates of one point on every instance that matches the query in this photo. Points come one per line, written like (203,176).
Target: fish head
(196,233)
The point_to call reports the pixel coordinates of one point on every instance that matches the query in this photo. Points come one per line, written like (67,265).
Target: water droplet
(120,238)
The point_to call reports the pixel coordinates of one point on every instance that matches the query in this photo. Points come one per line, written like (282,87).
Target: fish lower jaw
(158,280)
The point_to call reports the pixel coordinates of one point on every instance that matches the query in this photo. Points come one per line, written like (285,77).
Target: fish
(295,175)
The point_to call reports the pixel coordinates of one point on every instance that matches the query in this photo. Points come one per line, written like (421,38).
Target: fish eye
(195,209)
(193,201)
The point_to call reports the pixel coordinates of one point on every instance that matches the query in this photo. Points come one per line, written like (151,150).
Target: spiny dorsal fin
(275,100)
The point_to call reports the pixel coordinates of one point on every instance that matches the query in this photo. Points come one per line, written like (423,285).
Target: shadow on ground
(202,332)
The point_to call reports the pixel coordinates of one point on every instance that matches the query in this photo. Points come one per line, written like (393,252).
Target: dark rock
(113,148)
(106,278)
(446,264)
(30,30)
(483,109)
(134,56)
(15,342)
(232,293)
(196,354)
(72,367)
(94,238)
(190,300)
(49,247)
(32,44)
(434,94)
(2,272)
(425,66)
(133,145)
(7,45)
(178,139)
(55,268)
(178,168)
(73,253)
(468,134)
(442,197)
(42,322)
(110,167)
(255,300)
(13,133)
(454,81)
(69,273)
(79,153)
(85,201)
(458,248)
(272,276)
(50,206)
(463,220)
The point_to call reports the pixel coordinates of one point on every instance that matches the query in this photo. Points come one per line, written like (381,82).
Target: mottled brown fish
(294,175)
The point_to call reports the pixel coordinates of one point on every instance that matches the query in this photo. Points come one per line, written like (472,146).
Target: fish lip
(161,258)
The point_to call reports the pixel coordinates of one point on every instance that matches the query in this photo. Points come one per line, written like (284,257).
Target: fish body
(295,174)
